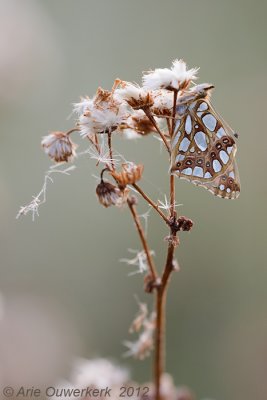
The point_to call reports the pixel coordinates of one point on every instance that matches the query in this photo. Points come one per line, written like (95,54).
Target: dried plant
(201,149)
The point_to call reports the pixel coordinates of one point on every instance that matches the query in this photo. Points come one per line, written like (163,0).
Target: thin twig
(141,233)
(151,202)
(162,135)
(72,130)
(110,150)
(162,289)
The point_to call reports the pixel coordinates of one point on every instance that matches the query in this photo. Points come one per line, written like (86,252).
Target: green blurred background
(64,292)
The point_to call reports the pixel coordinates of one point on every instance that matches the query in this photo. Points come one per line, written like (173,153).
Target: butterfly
(203,146)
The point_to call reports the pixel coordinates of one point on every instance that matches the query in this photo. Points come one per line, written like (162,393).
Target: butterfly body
(203,146)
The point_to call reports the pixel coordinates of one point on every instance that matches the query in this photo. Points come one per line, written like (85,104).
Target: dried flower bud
(184,224)
(108,194)
(130,174)
(133,200)
(59,146)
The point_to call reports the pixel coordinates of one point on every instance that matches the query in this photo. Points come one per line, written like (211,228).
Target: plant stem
(161,293)
(151,202)
(143,240)
(110,150)
(162,135)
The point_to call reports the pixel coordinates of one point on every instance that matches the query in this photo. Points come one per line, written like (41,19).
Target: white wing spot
(198,171)
(232,175)
(188,125)
(229,149)
(221,187)
(209,121)
(176,139)
(177,124)
(192,150)
(224,156)
(207,175)
(187,171)
(180,157)
(220,133)
(216,166)
(203,106)
(184,144)
(228,190)
(200,139)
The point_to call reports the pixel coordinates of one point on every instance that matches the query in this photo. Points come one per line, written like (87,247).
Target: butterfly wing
(203,150)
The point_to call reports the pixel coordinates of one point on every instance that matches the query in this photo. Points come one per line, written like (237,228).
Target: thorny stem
(151,202)
(143,240)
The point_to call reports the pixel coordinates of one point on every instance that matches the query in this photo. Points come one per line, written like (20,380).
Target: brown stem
(143,240)
(161,296)
(72,130)
(110,150)
(151,202)
(162,289)
(175,93)
(169,125)
(162,135)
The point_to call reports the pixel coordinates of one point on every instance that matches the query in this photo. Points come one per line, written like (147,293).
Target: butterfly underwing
(203,146)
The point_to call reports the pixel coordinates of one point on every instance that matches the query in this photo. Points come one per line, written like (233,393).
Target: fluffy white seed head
(136,96)
(163,103)
(177,77)
(83,106)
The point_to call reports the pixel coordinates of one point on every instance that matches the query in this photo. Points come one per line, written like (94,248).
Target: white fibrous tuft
(102,114)
(130,91)
(163,103)
(59,146)
(84,105)
(99,373)
(177,77)
(139,260)
(182,74)
(158,79)
(131,134)
(136,96)
(100,121)
(142,347)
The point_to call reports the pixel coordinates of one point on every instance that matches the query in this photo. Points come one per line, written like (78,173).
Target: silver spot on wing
(200,139)
(209,121)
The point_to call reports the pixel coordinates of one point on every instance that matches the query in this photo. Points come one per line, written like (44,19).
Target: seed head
(136,96)
(59,146)
(178,77)
(108,194)
(131,173)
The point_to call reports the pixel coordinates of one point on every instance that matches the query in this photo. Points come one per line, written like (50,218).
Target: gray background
(65,293)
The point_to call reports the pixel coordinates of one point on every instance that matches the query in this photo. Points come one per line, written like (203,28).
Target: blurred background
(64,292)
